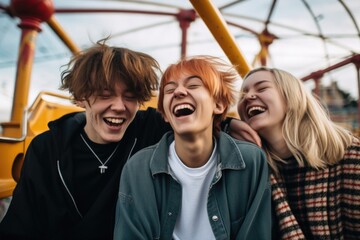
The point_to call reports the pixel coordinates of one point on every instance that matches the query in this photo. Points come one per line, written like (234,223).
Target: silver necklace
(103,166)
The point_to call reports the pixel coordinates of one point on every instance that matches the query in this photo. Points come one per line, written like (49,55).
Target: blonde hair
(308,131)
(217,76)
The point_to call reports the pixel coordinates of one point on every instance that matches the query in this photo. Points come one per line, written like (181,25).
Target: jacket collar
(230,155)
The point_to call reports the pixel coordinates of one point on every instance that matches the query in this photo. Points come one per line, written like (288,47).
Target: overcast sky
(295,50)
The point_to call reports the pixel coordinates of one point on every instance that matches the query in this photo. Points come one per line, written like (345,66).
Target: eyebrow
(257,84)
(193,76)
(186,79)
(260,82)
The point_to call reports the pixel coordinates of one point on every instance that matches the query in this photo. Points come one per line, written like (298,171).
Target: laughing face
(109,114)
(188,105)
(261,104)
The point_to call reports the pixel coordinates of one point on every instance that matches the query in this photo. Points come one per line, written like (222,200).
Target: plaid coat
(319,204)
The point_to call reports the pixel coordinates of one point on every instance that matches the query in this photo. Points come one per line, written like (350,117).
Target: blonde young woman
(315,163)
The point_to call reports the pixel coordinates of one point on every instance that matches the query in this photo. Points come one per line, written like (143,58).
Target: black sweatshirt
(45,204)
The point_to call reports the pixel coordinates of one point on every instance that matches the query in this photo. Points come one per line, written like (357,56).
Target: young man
(196,183)
(70,176)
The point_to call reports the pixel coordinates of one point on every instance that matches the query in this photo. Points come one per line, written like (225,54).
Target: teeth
(115,120)
(183,106)
(257,108)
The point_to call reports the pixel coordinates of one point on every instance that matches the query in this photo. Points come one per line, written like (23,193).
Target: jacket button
(169,213)
(215,218)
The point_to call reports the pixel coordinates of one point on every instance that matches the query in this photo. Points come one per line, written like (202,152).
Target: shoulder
(246,148)
(247,145)
(152,158)
(148,113)
(355,144)
(140,160)
(242,154)
(135,171)
(41,139)
(66,126)
(144,153)
(353,151)
(77,118)
(349,165)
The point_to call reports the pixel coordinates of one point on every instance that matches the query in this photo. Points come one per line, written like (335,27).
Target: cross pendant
(102,168)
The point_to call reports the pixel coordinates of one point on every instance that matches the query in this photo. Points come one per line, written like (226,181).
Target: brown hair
(101,67)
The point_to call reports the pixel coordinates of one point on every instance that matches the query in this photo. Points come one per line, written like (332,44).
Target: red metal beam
(185,18)
(355,59)
(31,13)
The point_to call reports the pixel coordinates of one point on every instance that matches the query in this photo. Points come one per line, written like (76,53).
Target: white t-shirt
(193,221)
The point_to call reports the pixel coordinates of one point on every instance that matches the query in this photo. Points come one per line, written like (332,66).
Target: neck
(281,150)
(278,146)
(194,151)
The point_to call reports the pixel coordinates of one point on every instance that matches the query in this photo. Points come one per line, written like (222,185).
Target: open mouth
(253,111)
(183,110)
(114,121)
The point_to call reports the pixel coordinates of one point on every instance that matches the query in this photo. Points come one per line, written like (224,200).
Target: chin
(256,126)
(116,138)
(185,131)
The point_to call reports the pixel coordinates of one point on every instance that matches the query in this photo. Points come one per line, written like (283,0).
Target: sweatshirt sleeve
(20,221)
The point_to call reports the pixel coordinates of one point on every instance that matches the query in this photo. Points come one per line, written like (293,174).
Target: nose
(118,104)
(180,91)
(250,96)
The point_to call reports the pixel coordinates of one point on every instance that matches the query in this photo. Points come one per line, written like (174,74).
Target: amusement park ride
(28,121)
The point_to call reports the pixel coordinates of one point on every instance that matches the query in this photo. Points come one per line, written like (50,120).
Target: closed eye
(170,87)
(194,82)
(193,86)
(130,97)
(262,89)
(169,90)
(105,96)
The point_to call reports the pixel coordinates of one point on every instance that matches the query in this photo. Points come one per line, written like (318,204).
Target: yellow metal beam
(212,17)
(23,75)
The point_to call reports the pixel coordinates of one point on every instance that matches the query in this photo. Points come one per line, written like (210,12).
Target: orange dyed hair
(218,77)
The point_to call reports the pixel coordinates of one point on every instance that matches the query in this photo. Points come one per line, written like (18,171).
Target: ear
(165,118)
(219,108)
(80,103)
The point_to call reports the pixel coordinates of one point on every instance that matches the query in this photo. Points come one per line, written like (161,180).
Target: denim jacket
(239,199)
